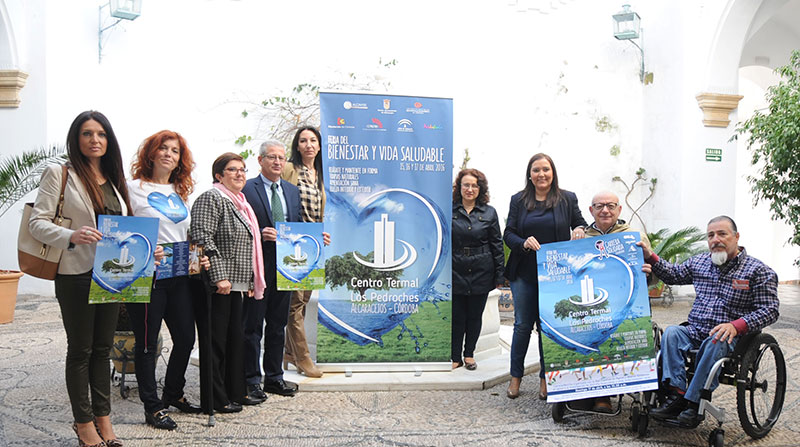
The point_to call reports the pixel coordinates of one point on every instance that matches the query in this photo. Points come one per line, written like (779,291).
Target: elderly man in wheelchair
(736,294)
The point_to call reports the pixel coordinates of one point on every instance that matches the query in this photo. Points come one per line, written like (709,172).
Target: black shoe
(689,418)
(255,392)
(280,387)
(232,407)
(250,400)
(160,419)
(671,408)
(183,405)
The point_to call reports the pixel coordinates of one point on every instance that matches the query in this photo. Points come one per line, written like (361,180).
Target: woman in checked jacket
(225,224)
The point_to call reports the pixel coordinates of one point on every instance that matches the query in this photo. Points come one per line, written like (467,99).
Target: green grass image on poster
(430,326)
(633,340)
(138,291)
(315,280)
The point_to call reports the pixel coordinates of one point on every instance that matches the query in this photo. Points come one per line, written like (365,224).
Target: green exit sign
(713,154)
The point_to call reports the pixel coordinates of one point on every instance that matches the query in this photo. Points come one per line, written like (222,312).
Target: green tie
(277,207)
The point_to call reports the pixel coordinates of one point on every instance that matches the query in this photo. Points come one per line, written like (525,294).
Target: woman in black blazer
(477,262)
(539,214)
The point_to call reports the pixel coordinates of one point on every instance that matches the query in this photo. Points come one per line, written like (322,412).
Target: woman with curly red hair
(162,182)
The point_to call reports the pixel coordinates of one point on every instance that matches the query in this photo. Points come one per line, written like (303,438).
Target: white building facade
(526,77)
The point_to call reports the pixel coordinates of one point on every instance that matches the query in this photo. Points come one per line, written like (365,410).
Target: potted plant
(19,175)
(674,247)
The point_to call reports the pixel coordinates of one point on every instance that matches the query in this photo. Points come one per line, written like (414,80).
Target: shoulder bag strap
(59,216)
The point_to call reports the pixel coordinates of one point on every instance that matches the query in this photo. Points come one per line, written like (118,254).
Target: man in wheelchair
(736,293)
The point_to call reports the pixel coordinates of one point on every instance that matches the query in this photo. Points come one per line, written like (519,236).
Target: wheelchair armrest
(744,343)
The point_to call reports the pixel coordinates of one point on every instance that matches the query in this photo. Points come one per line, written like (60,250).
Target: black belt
(471,251)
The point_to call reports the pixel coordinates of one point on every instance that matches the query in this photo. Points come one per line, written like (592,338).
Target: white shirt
(161,201)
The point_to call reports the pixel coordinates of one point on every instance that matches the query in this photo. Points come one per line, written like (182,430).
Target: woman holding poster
(226,225)
(477,262)
(162,182)
(539,214)
(95,185)
(304,170)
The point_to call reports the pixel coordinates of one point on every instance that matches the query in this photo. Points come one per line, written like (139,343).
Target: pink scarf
(258,258)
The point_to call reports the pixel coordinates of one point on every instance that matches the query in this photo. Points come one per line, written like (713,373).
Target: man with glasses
(273,201)
(605,209)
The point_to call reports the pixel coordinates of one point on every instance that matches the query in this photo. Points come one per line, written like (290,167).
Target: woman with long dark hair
(477,262)
(162,182)
(539,214)
(304,170)
(95,185)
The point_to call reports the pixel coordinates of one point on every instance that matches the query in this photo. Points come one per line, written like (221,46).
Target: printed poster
(595,314)
(180,259)
(301,265)
(388,175)
(124,262)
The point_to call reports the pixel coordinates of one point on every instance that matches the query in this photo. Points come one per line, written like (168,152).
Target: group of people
(736,293)
(235,222)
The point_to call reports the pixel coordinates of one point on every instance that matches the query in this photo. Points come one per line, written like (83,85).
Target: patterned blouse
(310,196)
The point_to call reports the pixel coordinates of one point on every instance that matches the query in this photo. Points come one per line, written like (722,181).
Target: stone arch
(11,21)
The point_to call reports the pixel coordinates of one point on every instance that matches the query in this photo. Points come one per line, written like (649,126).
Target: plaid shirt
(310,197)
(743,287)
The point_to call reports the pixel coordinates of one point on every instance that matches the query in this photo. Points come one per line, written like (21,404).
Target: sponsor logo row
(375,124)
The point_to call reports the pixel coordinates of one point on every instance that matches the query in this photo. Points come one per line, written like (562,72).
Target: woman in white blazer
(95,185)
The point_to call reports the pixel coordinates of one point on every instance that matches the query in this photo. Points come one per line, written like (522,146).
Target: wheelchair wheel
(641,429)
(716,438)
(761,386)
(559,408)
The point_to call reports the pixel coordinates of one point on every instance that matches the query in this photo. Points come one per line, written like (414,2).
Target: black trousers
(265,317)
(226,356)
(467,320)
(170,301)
(90,334)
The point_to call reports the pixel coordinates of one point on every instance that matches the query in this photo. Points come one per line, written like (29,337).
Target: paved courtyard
(34,409)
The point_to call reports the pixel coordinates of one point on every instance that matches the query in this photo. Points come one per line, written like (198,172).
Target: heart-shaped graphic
(125,257)
(585,314)
(172,206)
(396,249)
(300,254)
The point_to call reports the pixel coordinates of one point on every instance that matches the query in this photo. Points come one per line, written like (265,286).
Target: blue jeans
(675,344)
(526,312)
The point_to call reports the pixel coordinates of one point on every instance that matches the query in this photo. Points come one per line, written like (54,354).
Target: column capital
(11,82)
(717,108)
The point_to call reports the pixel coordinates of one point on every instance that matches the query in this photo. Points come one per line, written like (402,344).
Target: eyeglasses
(272,157)
(235,171)
(600,206)
(469,186)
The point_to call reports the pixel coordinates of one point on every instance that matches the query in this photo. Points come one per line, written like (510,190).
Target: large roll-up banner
(388,177)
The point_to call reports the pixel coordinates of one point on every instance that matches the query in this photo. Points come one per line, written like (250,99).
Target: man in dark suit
(272,200)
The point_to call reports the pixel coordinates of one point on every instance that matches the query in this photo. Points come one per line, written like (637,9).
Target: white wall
(521,82)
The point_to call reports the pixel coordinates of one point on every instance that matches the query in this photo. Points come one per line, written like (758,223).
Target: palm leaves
(675,247)
(678,246)
(19,174)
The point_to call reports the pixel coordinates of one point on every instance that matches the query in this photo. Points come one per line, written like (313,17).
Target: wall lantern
(119,9)
(627,26)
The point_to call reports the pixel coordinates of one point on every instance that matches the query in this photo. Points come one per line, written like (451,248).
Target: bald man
(605,209)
